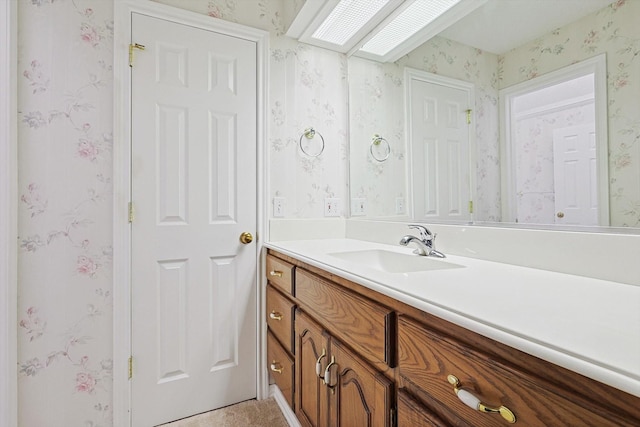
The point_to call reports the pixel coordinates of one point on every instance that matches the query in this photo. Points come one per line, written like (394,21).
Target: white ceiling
(501,25)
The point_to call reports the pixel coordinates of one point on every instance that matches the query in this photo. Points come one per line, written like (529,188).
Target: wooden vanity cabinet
(334,386)
(391,366)
(280,310)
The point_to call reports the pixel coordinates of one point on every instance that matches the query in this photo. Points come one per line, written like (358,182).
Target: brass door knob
(560,214)
(246,238)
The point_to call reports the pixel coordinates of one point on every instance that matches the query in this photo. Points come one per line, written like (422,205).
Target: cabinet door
(360,396)
(311,392)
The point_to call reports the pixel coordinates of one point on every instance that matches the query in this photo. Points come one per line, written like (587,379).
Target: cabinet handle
(275,273)
(473,402)
(275,315)
(330,380)
(319,368)
(276,367)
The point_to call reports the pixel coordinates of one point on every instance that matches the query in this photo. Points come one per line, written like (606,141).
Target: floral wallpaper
(65,106)
(376,107)
(613,30)
(65,103)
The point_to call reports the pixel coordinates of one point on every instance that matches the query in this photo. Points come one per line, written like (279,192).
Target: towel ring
(310,133)
(378,141)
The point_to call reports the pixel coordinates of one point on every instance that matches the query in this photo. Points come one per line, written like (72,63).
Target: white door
(439,141)
(575,175)
(193,192)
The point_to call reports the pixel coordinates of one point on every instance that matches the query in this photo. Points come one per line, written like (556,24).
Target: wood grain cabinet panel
(366,326)
(360,396)
(311,393)
(281,274)
(280,312)
(413,414)
(281,368)
(427,358)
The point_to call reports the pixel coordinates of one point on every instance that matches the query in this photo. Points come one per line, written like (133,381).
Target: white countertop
(589,326)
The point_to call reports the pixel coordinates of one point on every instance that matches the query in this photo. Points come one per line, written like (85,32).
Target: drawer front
(280,313)
(427,358)
(361,323)
(413,414)
(280,274)
(281,368)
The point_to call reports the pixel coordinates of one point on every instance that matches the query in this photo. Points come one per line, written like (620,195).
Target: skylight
(410,21)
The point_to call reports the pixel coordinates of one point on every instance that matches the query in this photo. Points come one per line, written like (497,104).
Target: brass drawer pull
(319,368)
(276,367)
(275,273)
(473,402)
(275,315)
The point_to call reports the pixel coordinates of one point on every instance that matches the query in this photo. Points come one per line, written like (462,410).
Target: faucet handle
(425,234)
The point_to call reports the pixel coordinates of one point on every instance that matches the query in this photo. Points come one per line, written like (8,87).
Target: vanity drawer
(280,313)
(413,414)
(426,359)
(280,274)
(281,367)
(363,324)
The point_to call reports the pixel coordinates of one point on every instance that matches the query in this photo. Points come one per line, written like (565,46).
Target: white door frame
(8,215)
(596,66)
(122,185)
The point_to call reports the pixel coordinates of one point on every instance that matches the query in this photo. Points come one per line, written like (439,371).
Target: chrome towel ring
(310,134)
(380,148)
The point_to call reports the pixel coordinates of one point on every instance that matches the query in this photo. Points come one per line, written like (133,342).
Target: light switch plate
(278,207)
(332,206)
(358,206)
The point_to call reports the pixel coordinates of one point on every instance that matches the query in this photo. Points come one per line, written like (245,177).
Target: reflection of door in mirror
(439,140)
(555,149)
(574,173)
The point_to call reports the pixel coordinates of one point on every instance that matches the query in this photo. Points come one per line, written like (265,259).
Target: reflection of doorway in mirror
(555,151)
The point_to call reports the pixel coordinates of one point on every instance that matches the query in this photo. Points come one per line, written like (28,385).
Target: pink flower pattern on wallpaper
(33,325)
(65,199)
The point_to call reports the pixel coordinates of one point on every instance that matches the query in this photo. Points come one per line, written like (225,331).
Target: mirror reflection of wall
(612,31)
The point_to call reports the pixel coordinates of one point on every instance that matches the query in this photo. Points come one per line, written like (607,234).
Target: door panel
(575,175)
(439,140)
(193,282)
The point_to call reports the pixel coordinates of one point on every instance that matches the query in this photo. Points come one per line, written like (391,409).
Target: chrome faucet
(425,243)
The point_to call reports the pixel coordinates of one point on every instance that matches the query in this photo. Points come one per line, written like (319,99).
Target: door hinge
(469,116)
(131,47)
(394,420)
(470,206)
(130,367)
(130,213)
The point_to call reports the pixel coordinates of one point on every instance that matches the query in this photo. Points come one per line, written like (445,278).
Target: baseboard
(291,418)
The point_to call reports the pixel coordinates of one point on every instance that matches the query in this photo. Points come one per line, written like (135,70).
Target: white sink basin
(394,262)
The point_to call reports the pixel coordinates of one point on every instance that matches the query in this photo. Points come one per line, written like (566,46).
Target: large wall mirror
(503,45)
